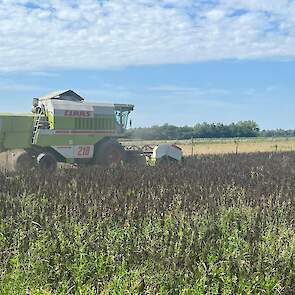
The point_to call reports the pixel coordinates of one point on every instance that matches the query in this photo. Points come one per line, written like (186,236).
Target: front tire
(109,153)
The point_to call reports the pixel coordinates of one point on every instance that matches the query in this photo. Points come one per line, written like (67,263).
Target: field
(213,225)
(226,146)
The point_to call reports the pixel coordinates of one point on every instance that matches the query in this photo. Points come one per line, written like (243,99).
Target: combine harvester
(63,128)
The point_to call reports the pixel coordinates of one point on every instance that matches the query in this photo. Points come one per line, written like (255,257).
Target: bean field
(219,224)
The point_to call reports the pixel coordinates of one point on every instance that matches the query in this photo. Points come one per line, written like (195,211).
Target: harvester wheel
(109,153)
(46,162)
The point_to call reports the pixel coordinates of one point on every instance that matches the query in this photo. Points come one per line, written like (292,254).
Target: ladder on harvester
(36,128)
(40,122)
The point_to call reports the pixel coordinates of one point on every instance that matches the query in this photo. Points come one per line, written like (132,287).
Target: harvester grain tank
(62,127)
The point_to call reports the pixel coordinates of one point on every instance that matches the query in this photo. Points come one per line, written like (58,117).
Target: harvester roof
(68,95)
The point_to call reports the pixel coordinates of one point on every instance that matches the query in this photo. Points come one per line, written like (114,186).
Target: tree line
(206,130)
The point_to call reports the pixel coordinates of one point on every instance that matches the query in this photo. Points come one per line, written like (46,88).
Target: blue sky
(179,62)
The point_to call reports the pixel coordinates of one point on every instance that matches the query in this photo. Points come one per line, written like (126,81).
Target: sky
(178,61)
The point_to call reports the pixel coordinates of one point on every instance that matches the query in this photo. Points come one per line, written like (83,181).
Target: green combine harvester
(63,128)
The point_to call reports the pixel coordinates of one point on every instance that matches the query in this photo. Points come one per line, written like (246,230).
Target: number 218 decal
(84,151)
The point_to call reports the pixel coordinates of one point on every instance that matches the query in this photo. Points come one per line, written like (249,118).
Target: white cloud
(45,74)
(38,35)
(194,91)
(10,86)
(193,97)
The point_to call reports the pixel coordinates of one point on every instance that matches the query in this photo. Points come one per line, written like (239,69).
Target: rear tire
(109,153)
(23,162)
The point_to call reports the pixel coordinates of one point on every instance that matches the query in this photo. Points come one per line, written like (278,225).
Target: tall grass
(215,225)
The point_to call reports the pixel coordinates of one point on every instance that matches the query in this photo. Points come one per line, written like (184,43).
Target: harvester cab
(70,104)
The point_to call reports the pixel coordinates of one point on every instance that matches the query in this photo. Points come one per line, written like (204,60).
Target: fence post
(192,146)
(237,146)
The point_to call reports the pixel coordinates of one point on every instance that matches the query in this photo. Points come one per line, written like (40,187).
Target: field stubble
(213,225)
